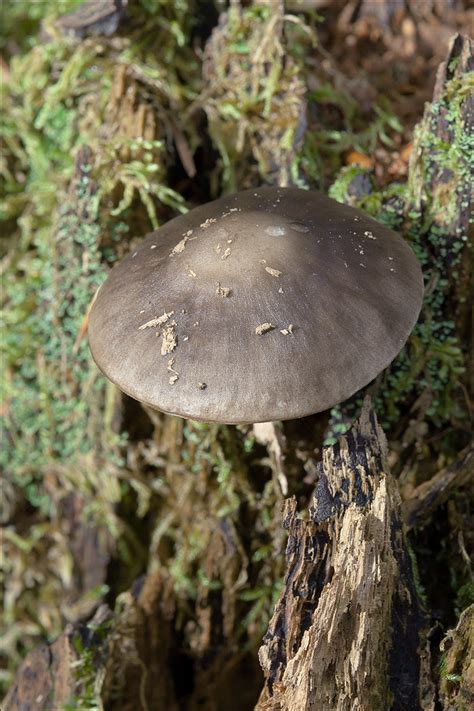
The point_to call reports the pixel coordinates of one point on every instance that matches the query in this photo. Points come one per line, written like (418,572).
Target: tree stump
(348,631)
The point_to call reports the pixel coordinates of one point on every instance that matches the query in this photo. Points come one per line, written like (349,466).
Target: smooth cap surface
(267,304)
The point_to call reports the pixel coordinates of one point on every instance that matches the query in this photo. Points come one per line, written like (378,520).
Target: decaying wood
(457,665)
(431,494)
(134,658)
(141,649)
(437,184)
(460,50)
(127,656)
(444,192)
(45,678)
(348,630)
(97,17)
(91,550)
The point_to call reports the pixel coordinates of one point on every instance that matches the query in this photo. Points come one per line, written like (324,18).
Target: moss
(55,116)
(60,417)
(22,20)
(50,376)
(429,368)
(90,646)
(442,162)
(198,500)
(338,126)
(465,596)
(254,98)
(352,182)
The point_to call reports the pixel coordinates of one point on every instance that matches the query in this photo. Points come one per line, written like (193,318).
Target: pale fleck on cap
(268,304)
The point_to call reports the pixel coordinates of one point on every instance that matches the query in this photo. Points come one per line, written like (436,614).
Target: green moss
(175,492)
(21,21)
(89,663)
(59,415)
(58,95)
(440,174)
(254,96)
(336,127)
(465,596)
(428,369)
(341,189)
(53,392)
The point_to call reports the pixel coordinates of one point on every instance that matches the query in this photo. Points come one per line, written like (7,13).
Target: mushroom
(319,299)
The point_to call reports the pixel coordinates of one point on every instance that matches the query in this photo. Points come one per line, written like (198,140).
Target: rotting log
(348,632)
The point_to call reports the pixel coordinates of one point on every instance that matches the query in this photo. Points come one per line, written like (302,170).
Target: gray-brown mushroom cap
(264,305)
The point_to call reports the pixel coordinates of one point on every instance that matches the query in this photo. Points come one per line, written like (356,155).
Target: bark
(348,632)
(134,659)
(124,658)
(44,679)
(457,665)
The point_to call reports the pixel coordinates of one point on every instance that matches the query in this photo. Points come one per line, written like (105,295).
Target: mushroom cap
(267,304)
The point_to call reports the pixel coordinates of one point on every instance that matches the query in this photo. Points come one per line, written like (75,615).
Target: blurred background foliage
(106,136)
